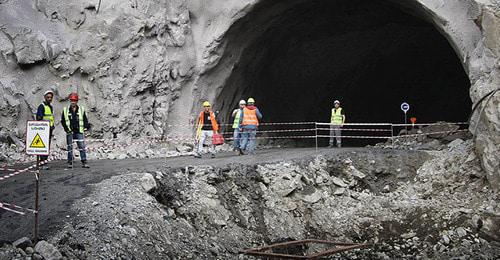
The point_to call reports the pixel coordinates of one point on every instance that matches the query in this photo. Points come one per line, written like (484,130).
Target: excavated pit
(352,197)
(297,57)
(272,203)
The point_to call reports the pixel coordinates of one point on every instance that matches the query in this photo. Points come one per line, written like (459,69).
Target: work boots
(85,165)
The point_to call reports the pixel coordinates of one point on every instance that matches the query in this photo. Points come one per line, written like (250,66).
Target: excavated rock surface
(409,204)
(143,67)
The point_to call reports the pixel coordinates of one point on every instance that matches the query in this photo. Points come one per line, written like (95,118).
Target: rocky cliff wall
(141,66)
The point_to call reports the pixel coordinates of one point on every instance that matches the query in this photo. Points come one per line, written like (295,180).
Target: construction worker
(249,121)
(236,124)
(337,121)
(45,112)
(75,123)
(207,125)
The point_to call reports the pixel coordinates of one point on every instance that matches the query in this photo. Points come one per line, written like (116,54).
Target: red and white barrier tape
(27,169)
(7,170)
(279,131)
(357,124)
(260,124)
(10,207)
(354,136)
(357,129)
(430,124)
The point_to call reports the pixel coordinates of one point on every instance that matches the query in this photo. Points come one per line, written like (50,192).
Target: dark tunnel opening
(297,57)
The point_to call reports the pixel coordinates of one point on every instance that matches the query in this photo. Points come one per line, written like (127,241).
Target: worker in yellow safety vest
(45,112)
(75,123)
(337,120)
(236,124)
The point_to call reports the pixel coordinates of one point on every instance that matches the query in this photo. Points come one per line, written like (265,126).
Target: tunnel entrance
(296,57)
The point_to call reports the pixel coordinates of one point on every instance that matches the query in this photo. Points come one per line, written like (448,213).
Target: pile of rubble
(23,248)
(431,137)
(408,204)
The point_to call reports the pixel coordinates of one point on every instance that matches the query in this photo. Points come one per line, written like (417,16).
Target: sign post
(37,143)
(405,107)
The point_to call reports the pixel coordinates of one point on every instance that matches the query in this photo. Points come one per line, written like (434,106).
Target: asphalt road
(60,187)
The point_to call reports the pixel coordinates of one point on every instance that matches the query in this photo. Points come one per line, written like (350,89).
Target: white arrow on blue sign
(405,107)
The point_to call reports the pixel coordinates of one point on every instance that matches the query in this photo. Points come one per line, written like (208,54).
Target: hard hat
(48,92)
(250,100)
(73,96)
(243,102)
(206,104)
(336,102)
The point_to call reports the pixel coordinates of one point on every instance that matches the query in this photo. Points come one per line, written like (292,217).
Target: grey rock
(313,198)
(122,157)
(356,173)
(339,182)
(339,191)
(408,235)
(184,148)
(21,252)
(47,251)
(29,250)
(432,145)
(22,243)
(148,182)
(319,180)
(445,239)
(27,47)
(455,143)
(461,232)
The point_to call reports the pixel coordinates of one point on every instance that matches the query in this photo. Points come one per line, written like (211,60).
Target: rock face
(142,68)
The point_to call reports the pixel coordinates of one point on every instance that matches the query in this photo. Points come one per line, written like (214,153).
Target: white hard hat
(336,102)
(243,102)
(48,92)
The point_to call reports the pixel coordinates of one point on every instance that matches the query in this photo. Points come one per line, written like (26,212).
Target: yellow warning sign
(37,142)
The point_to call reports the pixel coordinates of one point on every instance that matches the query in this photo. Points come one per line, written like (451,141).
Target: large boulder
(48,251)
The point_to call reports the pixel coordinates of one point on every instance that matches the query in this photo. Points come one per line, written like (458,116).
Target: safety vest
(47,114)
(237,119)
(81,110)
(249,117)
(201,121)
(337,117)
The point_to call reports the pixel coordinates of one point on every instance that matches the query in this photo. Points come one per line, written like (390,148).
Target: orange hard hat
(73,97)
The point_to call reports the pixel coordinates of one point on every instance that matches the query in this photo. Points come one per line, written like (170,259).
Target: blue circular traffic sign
(405,107)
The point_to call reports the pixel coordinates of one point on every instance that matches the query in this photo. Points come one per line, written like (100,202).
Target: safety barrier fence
(313,131)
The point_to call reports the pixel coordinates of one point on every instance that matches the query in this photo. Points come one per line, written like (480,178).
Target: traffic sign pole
(405,107)
(406,127)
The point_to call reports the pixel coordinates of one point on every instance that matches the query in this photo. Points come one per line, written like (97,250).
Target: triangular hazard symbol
(37,142)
